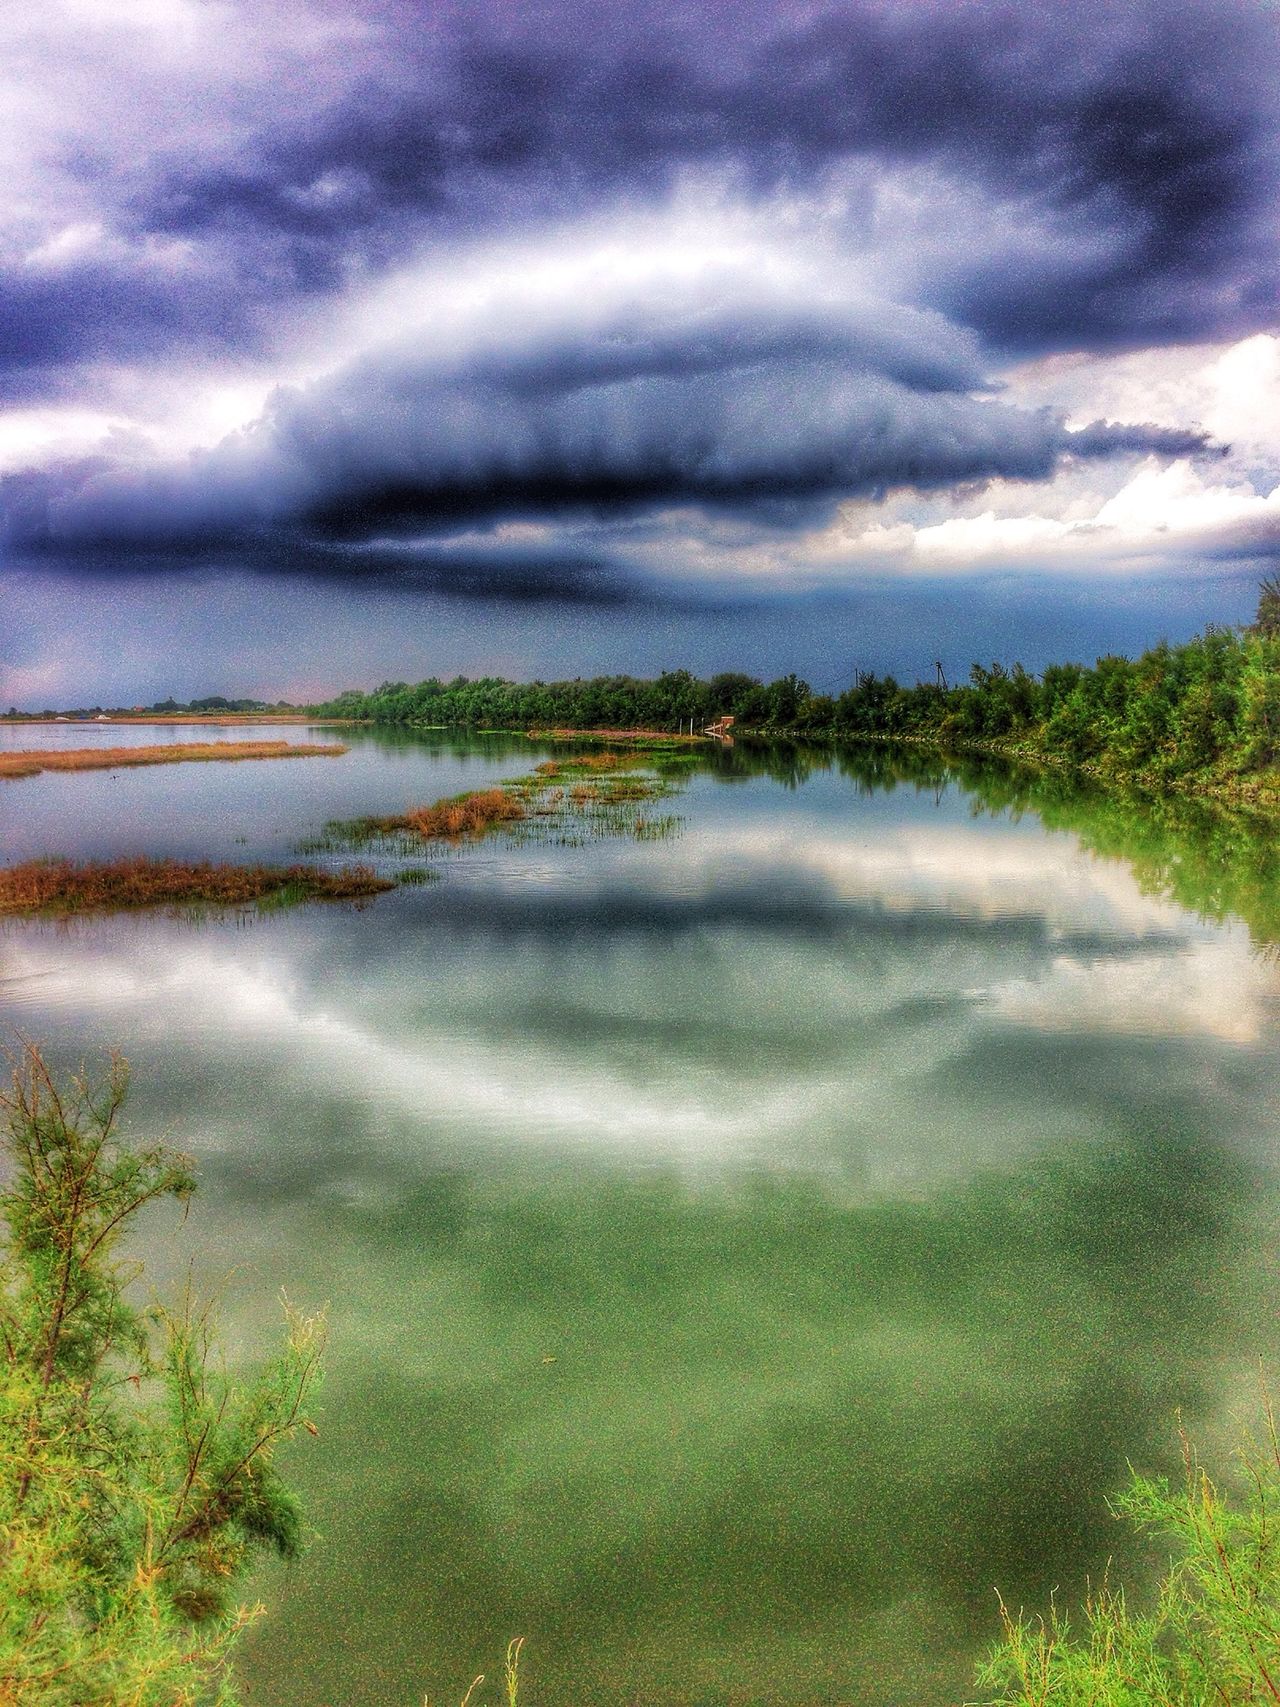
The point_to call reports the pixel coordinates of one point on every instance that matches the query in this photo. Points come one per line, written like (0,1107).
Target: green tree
(1267,621)
(137,1477)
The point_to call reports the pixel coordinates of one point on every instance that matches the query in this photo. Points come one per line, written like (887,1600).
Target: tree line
(1210,705)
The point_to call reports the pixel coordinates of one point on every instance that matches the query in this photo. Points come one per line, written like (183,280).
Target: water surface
(743,1251)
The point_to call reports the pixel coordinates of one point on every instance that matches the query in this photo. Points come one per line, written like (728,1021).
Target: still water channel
(744,1251)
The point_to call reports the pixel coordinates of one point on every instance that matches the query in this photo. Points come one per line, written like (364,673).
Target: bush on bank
(137,1477)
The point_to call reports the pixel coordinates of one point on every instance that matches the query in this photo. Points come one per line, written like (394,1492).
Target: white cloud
(1232,392)
(1244,403)
(1160,505)
(1177,499)
(1211,989)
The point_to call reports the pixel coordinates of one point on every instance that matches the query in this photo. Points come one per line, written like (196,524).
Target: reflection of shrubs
(1213,1633)
(137,1478)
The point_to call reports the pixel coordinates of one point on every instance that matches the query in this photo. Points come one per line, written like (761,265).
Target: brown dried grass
(59,886)
(33,761)
(551,768)
(464,815)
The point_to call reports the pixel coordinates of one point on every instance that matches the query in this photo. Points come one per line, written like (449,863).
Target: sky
(353,340)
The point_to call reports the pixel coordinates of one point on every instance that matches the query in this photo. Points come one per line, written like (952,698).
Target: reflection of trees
(454,743)
(1218,862)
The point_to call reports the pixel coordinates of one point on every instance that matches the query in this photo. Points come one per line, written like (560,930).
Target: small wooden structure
(720,728)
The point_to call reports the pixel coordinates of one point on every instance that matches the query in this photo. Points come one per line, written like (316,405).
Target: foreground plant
(1213,1634)
(137,1478)
(510,1679)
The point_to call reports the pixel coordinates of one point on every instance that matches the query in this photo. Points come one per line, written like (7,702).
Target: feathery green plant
(1212,1636)
(137,1476)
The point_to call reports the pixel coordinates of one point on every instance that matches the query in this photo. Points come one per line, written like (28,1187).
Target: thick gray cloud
(1133,148)
(595,416)
(929,192)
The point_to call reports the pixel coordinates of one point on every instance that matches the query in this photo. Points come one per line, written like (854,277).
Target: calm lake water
(744,1251)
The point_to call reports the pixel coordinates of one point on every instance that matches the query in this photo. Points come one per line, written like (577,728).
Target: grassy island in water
(34,761)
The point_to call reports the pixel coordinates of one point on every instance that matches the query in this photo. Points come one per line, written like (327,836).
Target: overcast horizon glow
(357,339)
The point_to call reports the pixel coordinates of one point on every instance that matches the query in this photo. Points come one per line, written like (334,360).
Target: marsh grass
(61,887)
(35,761)
(637,740)
(1211,1630)
(656,829)
(416,876)
(584,811)
(359,835)
(582,764)
(510,1679)
(568,803)
(457,818)
(465,816)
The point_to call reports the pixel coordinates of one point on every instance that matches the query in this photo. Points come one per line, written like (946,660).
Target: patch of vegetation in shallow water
(562,803)
(416,876)
(63,888)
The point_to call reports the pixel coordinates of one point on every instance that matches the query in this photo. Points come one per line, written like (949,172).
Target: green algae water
(745,1250)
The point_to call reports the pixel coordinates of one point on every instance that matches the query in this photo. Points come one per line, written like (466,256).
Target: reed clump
(582,764)
(562,803)
(63,887)
(465,815)
(33,761)
(459,817)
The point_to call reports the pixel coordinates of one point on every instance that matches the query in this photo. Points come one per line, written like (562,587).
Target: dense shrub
(137,1477)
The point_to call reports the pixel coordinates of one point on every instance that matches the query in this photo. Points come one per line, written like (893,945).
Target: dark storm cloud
(1155,107)
(908,196)
(1131,148)
(108,310)
(621,414)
